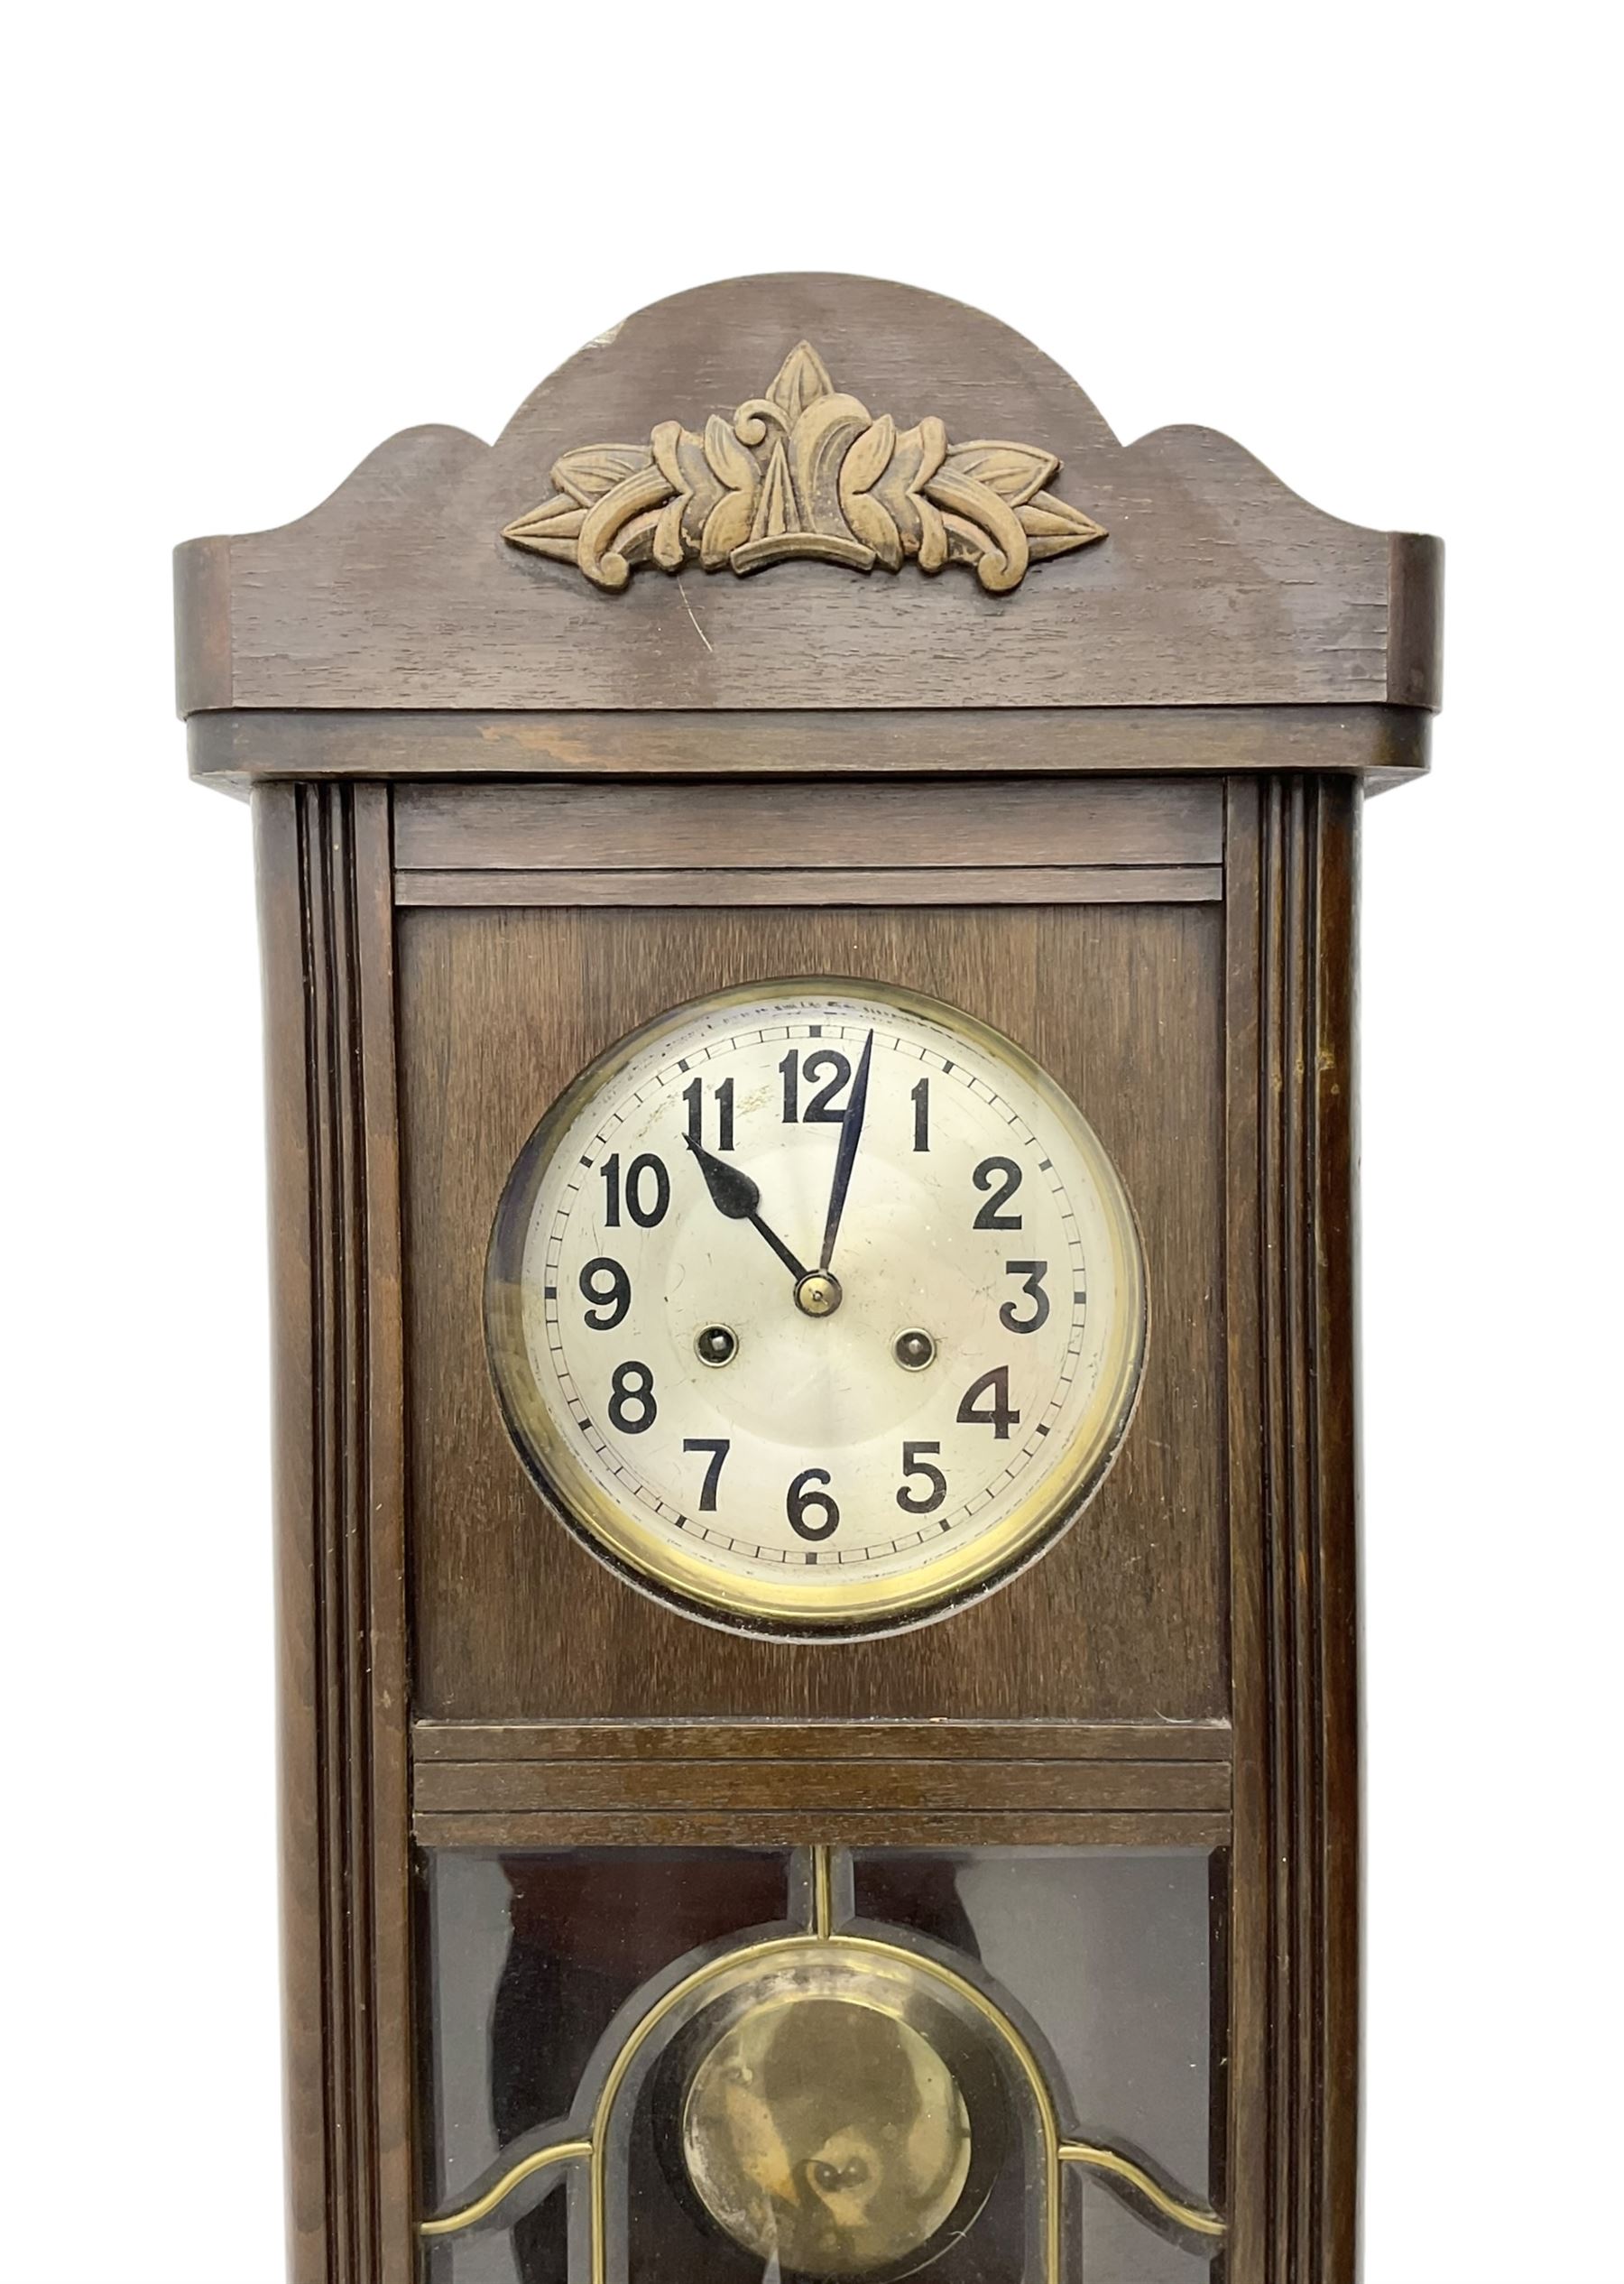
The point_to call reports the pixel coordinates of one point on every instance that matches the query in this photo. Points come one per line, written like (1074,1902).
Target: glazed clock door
(823,2064)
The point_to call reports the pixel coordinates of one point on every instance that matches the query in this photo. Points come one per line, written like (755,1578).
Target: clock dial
(816,1306)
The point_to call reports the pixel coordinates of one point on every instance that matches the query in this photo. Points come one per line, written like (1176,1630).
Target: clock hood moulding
(1214,587)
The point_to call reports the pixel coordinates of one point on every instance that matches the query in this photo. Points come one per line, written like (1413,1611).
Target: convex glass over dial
(816,1306)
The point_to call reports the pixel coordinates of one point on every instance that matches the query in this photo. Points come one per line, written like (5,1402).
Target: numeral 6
(797,1499)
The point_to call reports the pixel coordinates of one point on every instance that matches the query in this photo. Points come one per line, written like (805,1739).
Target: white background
(251,242)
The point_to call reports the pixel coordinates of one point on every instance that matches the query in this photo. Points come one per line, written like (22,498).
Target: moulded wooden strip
(313,2196)
(487,1787)
(325,875)
(1383,744)
(838,1827)
(945,884)
(1250,1972)
(667,1741)
(703,827)
(390,1994)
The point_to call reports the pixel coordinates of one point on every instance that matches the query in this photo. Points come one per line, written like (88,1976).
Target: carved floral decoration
(803,471)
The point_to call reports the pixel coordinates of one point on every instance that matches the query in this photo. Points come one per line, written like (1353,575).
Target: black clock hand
(846,1157)
(734,1193)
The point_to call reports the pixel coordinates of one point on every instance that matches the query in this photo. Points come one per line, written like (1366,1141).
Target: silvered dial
(815,1305)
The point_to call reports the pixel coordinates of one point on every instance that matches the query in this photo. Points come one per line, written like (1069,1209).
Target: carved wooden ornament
(804,471)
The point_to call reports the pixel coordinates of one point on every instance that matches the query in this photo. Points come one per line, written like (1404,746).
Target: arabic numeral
(1001,1177)
(1000,1416)
(827,1064)
(605,1284)
(1034,1272)
(648,1190)
(718,1447)
(693,1094)
(633,1384)
(915,1503)
(798,1501)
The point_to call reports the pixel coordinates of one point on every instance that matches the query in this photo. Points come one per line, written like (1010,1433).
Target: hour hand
(733,1194)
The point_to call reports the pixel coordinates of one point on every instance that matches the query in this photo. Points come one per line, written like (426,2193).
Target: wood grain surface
(546,827)
(1383,745)
(489,1788)
(817,1740)
(935,884)
(1124,1620)
(324,870)
(832,1828)
(1215,587)
(1294,1961)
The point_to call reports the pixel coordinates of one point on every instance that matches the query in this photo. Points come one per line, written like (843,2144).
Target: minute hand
(846,1157)
(732,1193)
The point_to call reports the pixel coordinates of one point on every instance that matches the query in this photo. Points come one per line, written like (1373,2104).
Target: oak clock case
(854,1437)
(807,898)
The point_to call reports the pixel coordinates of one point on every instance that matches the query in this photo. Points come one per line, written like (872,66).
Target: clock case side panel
(324,872)
(1292,885)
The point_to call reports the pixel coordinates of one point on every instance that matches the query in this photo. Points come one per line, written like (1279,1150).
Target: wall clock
(809,905)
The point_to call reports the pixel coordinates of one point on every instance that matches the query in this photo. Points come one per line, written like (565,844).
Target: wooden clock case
(502,817)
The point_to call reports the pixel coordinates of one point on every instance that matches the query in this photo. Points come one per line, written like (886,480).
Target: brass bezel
(825,1607)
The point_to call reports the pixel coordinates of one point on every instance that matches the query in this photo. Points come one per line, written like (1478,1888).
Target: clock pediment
(447,573)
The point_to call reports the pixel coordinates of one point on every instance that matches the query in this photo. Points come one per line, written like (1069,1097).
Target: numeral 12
(828,1070)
